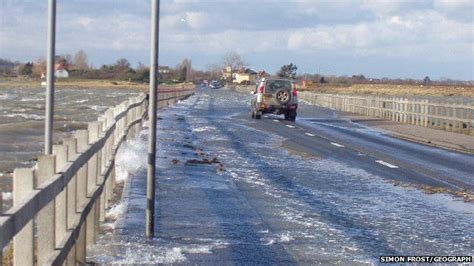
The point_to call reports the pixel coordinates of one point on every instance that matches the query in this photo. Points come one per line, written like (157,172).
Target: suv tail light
(260,90)
(295,92)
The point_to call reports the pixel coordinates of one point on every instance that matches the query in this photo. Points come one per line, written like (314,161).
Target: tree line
(79,67)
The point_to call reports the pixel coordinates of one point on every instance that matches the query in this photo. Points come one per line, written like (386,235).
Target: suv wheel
(283,96)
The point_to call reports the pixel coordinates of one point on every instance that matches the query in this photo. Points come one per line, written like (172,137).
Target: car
(276,96)
(216,84)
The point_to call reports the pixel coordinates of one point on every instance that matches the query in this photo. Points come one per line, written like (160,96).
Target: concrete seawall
(64,197)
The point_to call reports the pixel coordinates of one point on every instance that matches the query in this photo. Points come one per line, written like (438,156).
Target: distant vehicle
(276,96)
(216,84)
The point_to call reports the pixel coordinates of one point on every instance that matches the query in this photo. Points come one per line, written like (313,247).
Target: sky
(376,38)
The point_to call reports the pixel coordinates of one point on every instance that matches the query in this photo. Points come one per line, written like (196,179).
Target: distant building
(227,73)
(262,74)
(245,75)
(164,69)
(60,71)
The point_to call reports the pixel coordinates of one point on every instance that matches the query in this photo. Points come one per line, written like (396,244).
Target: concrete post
(93,130)
(82,138)
(60,152)
(81,189)
(71,144)
(81,246)
(45,219)
(23,242)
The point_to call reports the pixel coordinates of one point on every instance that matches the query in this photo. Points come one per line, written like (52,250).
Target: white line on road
(290,126)
(337,144)
(386,164)
(309,134)
(274,120)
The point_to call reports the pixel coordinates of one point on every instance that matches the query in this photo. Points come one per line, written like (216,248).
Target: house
(60,71)
(244,75)
(164,69)
(227,73)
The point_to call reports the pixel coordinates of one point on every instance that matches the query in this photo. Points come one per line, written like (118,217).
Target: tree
(214,71)
(80,60)
(122,64)
(234,60)
(288,71)
(426,80)
(142,73)
(183,73)
(27,69)
(39,67)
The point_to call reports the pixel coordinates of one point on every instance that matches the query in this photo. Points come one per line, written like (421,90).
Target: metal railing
(59,203)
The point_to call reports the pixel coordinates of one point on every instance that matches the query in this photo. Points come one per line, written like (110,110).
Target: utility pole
(150,193)
(49,106)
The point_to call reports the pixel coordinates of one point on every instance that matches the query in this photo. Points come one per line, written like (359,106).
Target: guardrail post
(100,169)
(23,242)
(82,137)
(92,165)
(45,219)
(60,152)
(71,144)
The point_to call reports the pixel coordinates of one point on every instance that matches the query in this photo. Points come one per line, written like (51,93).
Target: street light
(49,106)
(150,193)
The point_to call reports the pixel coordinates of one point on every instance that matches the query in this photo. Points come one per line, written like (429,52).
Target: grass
(395,90)
(72,83)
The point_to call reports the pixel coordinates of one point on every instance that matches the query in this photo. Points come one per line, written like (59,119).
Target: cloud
(418,31)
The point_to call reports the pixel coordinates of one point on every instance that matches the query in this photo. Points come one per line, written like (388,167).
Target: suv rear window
(274,85)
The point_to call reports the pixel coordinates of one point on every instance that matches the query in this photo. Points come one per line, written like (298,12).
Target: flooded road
(22,122)
(232,190)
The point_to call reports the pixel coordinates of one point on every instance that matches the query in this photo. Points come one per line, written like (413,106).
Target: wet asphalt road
(232,190)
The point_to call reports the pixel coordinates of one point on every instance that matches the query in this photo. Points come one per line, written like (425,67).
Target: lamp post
(49,106)
(150,193)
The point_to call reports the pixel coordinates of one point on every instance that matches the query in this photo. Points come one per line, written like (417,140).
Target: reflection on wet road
(235,190)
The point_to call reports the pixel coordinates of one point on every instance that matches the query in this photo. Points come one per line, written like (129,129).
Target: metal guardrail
(59,203)
(434,113)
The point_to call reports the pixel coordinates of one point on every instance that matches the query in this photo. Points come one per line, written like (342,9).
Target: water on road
(229,191)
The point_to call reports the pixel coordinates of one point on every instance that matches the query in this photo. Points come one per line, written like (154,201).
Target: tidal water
(22,122)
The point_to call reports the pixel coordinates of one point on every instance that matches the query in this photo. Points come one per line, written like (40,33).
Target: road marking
(309,134)
(386,164)
(337,144)
(274,120)
(290,126)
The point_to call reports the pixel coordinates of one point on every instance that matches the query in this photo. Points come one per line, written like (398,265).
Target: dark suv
(277,96)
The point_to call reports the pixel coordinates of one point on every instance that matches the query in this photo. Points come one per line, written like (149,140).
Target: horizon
(392,39)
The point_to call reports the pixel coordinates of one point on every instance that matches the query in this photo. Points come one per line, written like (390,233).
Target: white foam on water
(26,116)
(7,96)
(202,129)
(168,256)
(285,237)
(98,108)
(7,195)
(155,253)
(30,99)
(116,211)
(131,157)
